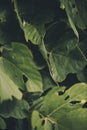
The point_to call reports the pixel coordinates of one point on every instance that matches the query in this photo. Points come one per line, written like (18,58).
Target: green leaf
(64,111)
(22,58)
(36,121)
(17,109)
(32,17)
(64,53)
(40,123)
(8,88)
(9,68)
(33,33)
(2,124)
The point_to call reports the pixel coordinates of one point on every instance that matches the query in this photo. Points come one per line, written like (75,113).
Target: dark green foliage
(43,65)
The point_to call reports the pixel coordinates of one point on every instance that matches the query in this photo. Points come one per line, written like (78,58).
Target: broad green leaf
(8,88)
(22,58)
(63,111)
(32,17)
(64,53)
(12,72)
(2,124)
(17,109)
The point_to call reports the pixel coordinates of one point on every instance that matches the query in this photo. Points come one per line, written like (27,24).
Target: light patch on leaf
(83,101)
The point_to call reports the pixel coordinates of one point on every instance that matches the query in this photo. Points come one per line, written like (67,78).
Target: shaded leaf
(71,13)
(64,53)
(2,124)
(82,75)
(17,109)
(8,32)
(47,81)
(20,125)
(77,14)
(32,18)
(81,16)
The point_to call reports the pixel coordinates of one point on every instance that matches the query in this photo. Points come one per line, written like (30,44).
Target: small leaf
(33,33)
(48,83)
(36,121)
(40,123)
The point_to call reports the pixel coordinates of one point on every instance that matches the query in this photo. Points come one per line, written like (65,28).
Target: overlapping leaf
(22,58)
(47,81)
(64,53)
(8,88)
(44,23)
(33,16)
(62,111)
(17,109)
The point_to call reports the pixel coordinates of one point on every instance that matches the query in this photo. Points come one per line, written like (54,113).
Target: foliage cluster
(43,65)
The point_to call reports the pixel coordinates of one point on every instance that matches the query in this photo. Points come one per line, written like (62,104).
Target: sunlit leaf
(22,58)
(8,88)
(63,112)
